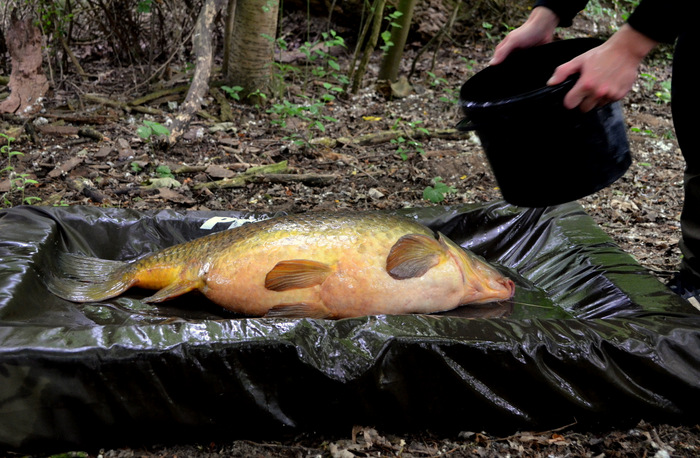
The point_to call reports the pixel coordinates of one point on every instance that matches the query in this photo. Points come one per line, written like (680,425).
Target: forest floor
(351,163)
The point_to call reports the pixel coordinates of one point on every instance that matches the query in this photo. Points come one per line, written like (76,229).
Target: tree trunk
(228,34)
(389,69)
(28,84)
(251,52)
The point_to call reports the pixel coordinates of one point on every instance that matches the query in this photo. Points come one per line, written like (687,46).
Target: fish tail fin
(85,279)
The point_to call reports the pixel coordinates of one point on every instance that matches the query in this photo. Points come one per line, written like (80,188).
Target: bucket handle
(466,125)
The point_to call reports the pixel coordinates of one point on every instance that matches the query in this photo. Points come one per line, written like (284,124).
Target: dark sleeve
(661,20)
(565,9)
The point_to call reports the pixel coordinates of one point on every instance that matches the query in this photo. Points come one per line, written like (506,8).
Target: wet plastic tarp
(590,338)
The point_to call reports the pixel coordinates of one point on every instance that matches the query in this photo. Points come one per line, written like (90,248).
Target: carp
(317,265)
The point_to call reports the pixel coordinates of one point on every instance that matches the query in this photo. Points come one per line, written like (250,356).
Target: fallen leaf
(401,88)
(66,167)
(174,196)
(217,171)
(165,182)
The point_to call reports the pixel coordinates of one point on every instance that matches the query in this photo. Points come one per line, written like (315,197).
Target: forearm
(632,42)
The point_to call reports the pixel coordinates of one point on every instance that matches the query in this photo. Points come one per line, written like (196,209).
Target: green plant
(151,128)
(487,30)
(144,6)
(311,113)
(232,91)
(400,149)
(664,95)
(325,64)
(408,144)
(258,96)
(647,132)
(649,83)
(450,94)
(438,191)
(54,18)
(163,171)
(18,182)
(386,35)
(321,67)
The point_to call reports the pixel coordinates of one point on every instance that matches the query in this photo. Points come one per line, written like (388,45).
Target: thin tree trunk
(252,48)
(202,41)
(371,43)
(228,34)
(389,69)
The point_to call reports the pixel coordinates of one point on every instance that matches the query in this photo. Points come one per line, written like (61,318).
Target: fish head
(482,282)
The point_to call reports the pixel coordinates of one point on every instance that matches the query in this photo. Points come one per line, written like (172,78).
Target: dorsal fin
(296,273)
(413,255)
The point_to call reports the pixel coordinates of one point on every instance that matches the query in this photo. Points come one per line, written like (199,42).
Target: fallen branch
(202,168)
(158,94)
(309,179)
(202,39)
(89,132)
(244,178)
(94,98)
(71,56)
(385,136)
(80,119)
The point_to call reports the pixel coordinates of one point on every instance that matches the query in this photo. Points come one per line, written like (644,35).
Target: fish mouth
(485,283)
(492,290)
(508,287)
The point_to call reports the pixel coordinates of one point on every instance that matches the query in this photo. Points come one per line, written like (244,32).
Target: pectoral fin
(295,274)
(413,255)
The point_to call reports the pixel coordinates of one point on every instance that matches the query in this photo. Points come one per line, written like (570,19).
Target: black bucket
(540,152)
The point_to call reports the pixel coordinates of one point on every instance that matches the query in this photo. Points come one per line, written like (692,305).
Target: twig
(309,179)
(385,136)
(158,94)
(243,178)
(226,113)
(94,98)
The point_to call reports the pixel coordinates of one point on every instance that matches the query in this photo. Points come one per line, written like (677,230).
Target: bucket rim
(528,96)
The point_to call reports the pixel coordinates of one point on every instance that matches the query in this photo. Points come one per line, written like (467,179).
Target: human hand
(537,30)
(607,72)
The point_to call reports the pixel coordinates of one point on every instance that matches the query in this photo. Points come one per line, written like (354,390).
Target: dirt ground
(348,165)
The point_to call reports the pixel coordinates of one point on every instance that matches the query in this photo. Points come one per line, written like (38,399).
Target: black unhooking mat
(590,338)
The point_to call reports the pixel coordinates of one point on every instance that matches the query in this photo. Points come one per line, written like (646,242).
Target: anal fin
(173,290)
(297,311)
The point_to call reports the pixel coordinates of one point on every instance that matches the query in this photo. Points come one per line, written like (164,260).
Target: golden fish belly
(358,283)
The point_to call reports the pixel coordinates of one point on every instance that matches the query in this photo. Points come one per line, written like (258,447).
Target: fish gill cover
(589,338)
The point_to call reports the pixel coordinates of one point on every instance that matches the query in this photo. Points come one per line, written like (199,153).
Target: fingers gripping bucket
(540,152)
